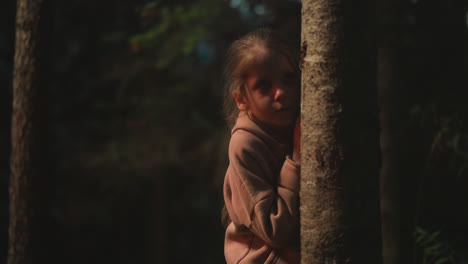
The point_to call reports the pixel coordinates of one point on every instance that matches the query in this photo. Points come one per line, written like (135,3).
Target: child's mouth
(282,109)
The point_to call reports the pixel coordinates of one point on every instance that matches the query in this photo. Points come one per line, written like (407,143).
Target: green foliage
(443,183)
(435,250)
(164,109)
(173,31)
(449,136)
(148,120)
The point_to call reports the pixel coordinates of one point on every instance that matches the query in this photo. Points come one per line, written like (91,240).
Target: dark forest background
(137,140)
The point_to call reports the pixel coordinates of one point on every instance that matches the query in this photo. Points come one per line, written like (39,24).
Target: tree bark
(340,214)
(28,78)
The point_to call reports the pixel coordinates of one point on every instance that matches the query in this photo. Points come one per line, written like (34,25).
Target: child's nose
(278,93)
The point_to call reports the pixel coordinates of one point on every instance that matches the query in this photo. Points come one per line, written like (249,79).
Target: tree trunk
(340,215)
(28,78)
(159,235)
(398,167)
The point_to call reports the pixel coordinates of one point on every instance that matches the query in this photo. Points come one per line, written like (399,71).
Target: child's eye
(263,85)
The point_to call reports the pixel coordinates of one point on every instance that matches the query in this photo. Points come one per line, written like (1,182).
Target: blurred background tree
(137,139)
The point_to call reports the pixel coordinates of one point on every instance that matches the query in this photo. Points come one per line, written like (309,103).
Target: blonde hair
(241,55)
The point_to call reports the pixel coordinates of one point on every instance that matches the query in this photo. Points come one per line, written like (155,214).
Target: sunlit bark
(340,218)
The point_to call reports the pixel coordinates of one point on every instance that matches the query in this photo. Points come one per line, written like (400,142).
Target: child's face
(271,91)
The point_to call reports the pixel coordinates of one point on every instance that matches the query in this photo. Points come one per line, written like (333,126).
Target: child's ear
(240,101)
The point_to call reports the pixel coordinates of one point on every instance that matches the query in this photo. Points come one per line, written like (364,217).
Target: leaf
(441,260)
(434,248)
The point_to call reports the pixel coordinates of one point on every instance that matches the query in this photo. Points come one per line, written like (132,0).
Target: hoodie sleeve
(270,211)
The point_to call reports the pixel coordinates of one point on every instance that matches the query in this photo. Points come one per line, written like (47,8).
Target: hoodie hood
(279,141)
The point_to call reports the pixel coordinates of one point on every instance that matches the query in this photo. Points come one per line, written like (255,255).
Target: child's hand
(297,142)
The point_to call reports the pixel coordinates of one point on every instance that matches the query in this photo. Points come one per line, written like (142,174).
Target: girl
(261,186)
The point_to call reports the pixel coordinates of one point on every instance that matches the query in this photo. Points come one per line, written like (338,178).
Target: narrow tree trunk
(340,215)
(396,161)
(158,237)
(27,80)
(389,179)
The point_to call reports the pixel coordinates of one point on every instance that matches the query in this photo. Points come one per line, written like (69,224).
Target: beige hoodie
(261,192)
